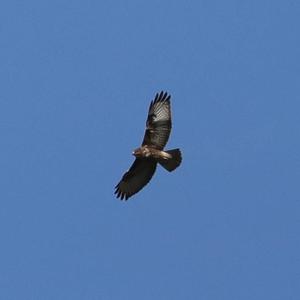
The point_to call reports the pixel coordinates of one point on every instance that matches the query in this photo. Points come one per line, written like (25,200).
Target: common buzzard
(158,128)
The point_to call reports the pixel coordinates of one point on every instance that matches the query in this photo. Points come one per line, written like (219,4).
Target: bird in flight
(158,128)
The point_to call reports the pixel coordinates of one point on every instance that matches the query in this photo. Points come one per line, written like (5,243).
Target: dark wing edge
(158,124)
(139,174)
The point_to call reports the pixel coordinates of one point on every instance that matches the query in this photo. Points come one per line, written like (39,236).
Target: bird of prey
(158,128)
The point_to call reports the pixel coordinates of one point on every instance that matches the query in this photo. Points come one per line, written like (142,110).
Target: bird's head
(137,152)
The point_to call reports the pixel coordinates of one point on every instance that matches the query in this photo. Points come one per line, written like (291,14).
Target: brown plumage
(158,128)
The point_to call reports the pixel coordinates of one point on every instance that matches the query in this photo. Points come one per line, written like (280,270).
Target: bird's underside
(158,128)
(150,152)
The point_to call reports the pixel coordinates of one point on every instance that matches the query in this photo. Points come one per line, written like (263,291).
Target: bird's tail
(172,163)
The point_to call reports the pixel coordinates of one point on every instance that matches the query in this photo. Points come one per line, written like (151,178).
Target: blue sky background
(76,81)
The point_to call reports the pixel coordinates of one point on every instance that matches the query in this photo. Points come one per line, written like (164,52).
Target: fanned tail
(172,163)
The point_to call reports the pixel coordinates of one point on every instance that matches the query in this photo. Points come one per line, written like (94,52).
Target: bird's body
(151,152)
(148,151)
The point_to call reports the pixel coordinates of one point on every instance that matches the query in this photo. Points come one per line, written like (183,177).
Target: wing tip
(161,96)
(120,194)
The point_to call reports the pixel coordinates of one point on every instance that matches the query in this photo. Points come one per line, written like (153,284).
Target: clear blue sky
(76,81)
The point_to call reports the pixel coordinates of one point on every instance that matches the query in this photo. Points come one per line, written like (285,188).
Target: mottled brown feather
(158,124)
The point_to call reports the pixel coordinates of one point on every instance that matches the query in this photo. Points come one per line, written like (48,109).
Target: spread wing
(135,178)
(158,125)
